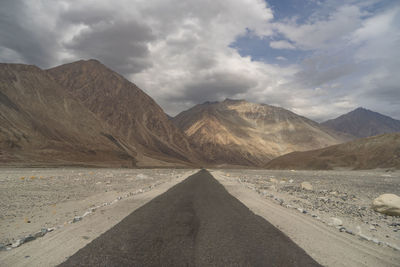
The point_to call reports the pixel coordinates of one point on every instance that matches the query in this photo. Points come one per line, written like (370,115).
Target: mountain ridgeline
(362,122)
(381,151)
(41,124)
(127,110)
(237,132)
(85,114)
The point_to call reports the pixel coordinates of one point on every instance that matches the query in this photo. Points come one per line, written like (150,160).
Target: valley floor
(78,205)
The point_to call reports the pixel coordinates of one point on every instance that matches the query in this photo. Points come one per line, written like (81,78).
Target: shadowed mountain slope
(41,124)
(382,151)
(130,112)
(362,122)
(241,133)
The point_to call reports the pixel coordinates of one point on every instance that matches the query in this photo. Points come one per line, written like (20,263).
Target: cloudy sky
(317,58)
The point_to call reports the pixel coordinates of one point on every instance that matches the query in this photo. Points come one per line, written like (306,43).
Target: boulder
(306,186)
(336,222)
(273,180)
(387,204)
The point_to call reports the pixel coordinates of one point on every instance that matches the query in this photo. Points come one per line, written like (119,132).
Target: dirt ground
(35,198)
(363,238)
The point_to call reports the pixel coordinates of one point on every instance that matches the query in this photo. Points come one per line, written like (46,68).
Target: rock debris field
(34,201)
(340,199)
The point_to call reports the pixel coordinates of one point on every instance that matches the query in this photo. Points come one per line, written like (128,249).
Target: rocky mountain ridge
(238,132)
(362,122)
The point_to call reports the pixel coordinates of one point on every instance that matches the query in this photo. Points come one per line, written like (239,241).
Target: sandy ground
(365,238)
(52,198)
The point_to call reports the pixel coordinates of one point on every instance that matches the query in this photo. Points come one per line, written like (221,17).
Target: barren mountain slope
(363,123)
(126,108)
(242,133)
(41,124)
(382,151)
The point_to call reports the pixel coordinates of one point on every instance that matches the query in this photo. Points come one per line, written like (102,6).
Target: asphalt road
(195,223)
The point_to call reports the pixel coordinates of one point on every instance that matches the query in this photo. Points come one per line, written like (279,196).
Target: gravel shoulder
(295,212)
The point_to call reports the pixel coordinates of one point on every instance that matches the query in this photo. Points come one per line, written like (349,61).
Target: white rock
(336,221)
(387,204)
(17,243)
(141,176)
(306,186)
(273,180)
(291,181)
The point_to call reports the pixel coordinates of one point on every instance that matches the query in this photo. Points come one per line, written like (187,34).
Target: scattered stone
(291,181)
(17,243)
(143,176)
(27,256)
(387,204)
(273,180)
(306,186)
(300,210)
(29,238)
(40,233)
(342,229)
(336,221)
(349,232)
(77,219)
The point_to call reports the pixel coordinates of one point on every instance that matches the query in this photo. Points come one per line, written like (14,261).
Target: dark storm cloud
(343,54)
(118,44)
(217,86)
(21,39)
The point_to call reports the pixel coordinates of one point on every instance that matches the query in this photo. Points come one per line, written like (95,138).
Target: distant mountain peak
(129,111)
(230,100)
(363,122)
(238,132)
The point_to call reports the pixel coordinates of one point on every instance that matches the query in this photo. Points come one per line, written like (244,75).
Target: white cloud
(323,33)
(281,45)
(179,51)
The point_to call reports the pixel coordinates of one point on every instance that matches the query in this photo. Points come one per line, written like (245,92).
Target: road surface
(195,223)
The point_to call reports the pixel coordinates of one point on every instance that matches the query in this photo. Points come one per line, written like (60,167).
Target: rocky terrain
(35,200)
(41,124)
(134,115)
(339,199)
(362,122)
(382,151)
(237,132)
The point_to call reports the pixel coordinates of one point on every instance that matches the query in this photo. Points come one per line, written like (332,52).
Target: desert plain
(48,214)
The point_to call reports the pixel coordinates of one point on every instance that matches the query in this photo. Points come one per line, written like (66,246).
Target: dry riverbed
(36,201)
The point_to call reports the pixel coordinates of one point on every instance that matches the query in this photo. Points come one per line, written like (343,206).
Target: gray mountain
(362,122)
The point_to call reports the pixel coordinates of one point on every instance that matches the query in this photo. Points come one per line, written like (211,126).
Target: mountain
(382,151)
(362,122)
(237,132)
(135,116)
(41,124)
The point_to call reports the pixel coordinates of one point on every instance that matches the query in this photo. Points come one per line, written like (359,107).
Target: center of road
(195,223)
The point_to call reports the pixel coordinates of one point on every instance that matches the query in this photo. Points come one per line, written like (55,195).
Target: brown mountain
(41,124)
(362,122)
(382,151)
(241,133)
(135,116)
